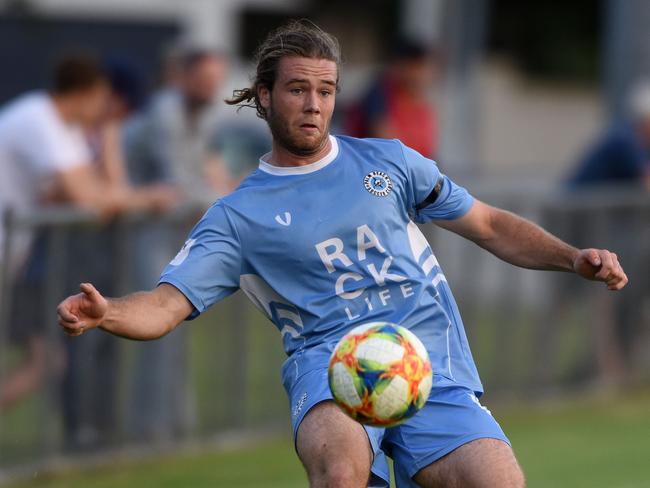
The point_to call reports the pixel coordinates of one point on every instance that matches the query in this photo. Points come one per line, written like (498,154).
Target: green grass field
(596,443)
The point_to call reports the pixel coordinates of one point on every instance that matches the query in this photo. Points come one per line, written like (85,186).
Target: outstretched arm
(140,316)
(522,243)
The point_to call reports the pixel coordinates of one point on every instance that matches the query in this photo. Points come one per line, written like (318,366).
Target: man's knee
(333,448)
(337,474)
(337,468)
(518,479)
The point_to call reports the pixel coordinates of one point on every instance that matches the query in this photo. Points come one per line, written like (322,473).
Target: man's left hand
(600,265)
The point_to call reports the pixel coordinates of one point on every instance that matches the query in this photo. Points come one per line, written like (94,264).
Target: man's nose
(312,103)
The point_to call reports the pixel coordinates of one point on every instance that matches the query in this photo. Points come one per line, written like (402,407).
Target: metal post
(237,378)
(56,268)
(626,52)
(464,37)
(5,293)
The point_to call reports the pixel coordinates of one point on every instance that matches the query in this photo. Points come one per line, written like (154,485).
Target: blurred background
(114,139)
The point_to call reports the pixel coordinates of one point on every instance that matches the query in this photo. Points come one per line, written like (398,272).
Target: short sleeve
(53,147)
(432,195)
(207,268)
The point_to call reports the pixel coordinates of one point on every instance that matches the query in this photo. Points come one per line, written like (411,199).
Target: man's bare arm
(83,187)
(523,243)
(140,316)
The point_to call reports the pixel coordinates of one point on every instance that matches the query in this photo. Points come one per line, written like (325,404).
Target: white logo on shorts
(299,404)
(475,400)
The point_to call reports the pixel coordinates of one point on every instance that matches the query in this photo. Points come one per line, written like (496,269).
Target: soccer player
(322,238)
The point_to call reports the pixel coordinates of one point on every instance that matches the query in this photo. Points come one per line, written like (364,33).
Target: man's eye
(296,91)
(326,93)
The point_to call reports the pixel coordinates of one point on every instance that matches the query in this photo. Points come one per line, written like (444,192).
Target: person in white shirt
(43,153)
(45,159)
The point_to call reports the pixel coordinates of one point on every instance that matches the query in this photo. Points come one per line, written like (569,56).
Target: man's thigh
(333,448)
(483,463)
(451,418)
(324,435)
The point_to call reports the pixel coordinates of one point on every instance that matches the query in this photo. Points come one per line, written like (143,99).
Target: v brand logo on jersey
(286,221)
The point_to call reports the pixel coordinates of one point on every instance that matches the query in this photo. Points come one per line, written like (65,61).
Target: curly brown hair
(300,38)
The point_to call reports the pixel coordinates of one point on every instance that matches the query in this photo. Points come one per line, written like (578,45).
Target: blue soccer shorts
(451,417)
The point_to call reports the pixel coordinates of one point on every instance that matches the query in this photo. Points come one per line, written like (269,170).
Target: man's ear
(264,95)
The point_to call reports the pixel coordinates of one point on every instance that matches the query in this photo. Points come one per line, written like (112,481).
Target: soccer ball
(380,374)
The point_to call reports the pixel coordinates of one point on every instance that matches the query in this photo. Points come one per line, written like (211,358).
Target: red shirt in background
(390,111)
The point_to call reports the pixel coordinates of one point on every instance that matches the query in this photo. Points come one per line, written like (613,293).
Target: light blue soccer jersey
(322,248)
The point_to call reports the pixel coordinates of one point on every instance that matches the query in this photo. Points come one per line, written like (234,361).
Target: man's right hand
(79,313)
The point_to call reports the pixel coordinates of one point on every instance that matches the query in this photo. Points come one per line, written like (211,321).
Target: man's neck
(281,156)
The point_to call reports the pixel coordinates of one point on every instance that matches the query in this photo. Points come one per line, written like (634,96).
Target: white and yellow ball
(380,374)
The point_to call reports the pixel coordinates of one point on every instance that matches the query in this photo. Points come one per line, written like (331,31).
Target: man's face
(202,80)
(299,108)
(91,104)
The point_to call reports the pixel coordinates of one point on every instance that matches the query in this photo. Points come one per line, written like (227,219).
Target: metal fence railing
(531,332)
(536,332)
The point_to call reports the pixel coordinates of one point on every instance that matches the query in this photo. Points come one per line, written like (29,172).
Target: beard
(300,146)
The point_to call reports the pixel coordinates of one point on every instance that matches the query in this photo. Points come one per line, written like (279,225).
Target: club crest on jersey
(378,183)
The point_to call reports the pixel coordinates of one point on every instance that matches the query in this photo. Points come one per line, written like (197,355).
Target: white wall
(533,130)
(208,23)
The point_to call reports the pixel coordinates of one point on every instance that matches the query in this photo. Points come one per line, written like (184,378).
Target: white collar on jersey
(300,170)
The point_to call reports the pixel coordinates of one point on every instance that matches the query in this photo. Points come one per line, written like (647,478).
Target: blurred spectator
(622,155)
(171,140)
(169,143)
(397,105)
(63,147)
(177,140)
(43,155)
(44,158)
(127,97)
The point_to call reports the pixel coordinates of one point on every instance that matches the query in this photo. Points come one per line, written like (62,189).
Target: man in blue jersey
(322,238)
